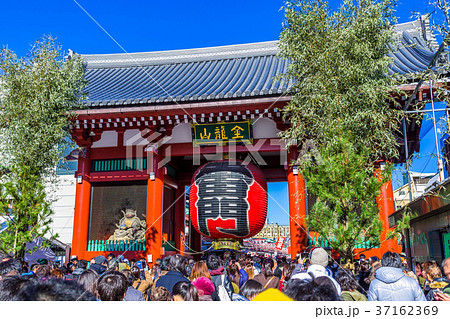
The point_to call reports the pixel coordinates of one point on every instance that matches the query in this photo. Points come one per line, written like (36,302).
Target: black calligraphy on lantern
(222,199)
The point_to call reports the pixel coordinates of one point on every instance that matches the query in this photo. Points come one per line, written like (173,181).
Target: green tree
(26,209)
(343,101)
(345,212)
(38,94)
(338,70)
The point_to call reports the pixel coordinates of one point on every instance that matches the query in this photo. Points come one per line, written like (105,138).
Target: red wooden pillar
(155,189)
(386,205)
(196,243)
(297,208)
(82,207)
(180,204)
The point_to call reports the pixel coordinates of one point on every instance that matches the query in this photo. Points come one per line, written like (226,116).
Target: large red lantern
(228,200)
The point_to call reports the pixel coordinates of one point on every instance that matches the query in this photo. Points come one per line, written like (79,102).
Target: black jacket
(98,268)
(278,272)
(170,279)
(216,278)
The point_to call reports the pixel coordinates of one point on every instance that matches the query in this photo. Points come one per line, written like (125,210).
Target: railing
(116,245)
(318,242)
(169,245)
(321,242)
(119,165)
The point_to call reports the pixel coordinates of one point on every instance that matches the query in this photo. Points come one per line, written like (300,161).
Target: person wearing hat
(205,288)
(73,262)
(81,267)
(319,260)
(99,265)
(43,261)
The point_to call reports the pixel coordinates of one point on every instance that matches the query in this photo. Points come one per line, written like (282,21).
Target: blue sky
(148,25)
(136,26)
(425,161)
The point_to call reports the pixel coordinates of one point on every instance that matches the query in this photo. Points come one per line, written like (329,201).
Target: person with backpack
(235,277)
(223,289)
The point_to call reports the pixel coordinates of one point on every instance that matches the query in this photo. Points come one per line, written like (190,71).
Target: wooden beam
(259,145)
(184,108)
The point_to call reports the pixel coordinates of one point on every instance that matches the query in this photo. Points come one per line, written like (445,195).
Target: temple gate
(153,118)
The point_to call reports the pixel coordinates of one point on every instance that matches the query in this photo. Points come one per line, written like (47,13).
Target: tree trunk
(15,244)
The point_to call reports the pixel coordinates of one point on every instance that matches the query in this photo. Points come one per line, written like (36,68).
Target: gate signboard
(221,133)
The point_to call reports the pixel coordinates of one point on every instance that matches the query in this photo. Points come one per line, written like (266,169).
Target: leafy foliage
(38,93)
(339,72)
(346,212)
(343,101)
(24,205)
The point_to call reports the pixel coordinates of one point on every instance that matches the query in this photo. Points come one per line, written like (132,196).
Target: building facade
(418,185)
(429,235)
(274,231)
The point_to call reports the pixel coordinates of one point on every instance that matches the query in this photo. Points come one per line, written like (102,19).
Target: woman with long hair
(251,289)
(286,274)
(347,282)
(88,279)
(200,269)
(235,277)
(250,270)
(266,277)
(184,291)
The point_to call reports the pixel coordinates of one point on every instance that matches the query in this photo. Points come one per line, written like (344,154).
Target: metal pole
(407,237)
(435,133)
(405,139)
(425,111)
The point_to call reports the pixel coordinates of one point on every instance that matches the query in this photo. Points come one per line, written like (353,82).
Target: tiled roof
(414,48)
(226,72)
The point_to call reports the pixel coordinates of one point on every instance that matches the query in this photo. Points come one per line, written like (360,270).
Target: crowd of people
(230,276)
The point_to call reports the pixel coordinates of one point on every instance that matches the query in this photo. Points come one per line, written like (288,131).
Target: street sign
(222,133)
(280,243)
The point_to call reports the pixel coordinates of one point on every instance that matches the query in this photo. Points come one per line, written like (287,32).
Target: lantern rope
(194,252)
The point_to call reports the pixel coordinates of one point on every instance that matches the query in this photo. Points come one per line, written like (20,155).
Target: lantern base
(226,243)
